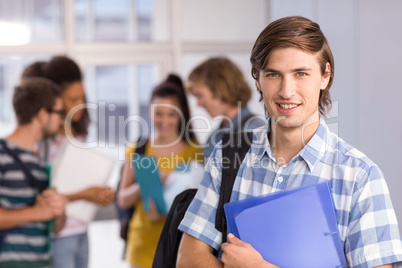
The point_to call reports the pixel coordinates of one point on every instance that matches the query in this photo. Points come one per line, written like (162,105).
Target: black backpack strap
(34,182)
(245,120)
(234,147)
(169,241)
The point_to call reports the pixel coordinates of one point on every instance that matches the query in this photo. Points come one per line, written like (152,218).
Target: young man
(221,88)
(293,67)
(24,211)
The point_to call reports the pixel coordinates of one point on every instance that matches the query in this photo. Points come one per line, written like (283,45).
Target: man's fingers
(234,240)
(223,246)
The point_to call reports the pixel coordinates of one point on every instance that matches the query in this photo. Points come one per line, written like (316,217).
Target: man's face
(291,84)
(55,119)
(206,99)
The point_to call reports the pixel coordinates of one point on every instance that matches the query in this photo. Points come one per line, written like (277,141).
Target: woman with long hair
(172,144)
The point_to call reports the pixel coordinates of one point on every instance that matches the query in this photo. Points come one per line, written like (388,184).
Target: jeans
(71,251)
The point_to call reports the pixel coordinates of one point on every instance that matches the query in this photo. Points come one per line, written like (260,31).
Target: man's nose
(288,88)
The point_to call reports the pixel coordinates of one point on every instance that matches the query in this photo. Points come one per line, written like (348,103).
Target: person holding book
(173,144)
(222,90)
(70,245)
(293,68)
(26,202)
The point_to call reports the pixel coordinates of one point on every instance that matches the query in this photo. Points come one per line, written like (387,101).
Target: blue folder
(147,176)
(292,228)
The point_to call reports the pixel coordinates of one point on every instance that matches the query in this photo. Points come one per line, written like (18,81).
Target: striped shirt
(27,245)
(365,215)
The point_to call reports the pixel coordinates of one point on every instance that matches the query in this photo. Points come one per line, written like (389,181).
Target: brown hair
(173,87)
(32,95)
(224,79)
(297,32)
(62,71)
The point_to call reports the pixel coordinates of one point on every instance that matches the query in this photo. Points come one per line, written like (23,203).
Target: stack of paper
(77,169)
(292,228)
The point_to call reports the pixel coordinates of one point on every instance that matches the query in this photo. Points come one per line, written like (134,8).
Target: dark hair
(36,69)
(173,87)
(62,71)
(33,94)
(297,32)
(224,79)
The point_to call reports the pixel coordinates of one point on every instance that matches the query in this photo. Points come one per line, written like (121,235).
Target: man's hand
(57,202)
(41,209)
(237,253)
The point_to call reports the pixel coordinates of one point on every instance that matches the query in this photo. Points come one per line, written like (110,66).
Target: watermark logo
(117,137)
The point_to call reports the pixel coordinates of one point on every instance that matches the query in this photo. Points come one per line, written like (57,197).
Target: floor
(106,246)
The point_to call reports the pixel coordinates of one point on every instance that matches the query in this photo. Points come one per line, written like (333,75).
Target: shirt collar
(311,153)
(315,149)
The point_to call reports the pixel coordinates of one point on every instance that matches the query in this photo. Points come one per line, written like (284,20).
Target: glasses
(59,112)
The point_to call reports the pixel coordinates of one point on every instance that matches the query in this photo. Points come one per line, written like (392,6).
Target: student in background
(71,247)
(293,68)
(172,144)
(221,88)
(24,209)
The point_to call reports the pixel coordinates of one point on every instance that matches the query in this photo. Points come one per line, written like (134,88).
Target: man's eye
(272,75)
(301,74)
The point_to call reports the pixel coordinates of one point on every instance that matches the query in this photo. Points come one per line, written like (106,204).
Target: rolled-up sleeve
(199,220)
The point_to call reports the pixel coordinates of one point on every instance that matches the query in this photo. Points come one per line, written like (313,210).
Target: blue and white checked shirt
(365,215)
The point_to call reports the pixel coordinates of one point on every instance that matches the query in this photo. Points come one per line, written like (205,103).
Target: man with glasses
(26,203)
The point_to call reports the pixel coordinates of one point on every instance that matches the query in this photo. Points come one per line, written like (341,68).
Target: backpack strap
(234,147)
(169,240)
(245,120)
(33,181)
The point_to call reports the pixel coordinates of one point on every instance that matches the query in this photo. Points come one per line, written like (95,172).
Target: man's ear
(42,115)
(257,82)
(326,77)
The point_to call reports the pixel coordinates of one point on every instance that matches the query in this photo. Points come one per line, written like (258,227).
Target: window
(26,21)
(114,89)
(11,67)
(124,48)
(119,21)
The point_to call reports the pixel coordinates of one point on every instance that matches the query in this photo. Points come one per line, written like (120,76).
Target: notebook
(292,228)
(147,176)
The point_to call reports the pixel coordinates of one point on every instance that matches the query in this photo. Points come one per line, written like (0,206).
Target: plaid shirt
(365,215)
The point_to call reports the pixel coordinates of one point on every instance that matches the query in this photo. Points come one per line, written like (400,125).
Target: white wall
(337,21)
(379,92)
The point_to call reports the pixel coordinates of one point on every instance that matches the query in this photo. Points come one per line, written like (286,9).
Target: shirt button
(280,179)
